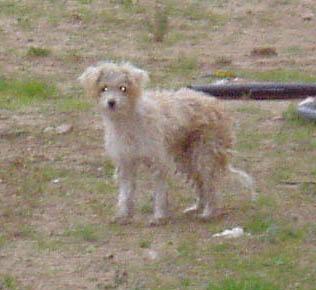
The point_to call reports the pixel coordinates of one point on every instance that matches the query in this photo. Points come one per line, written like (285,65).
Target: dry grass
(57,192)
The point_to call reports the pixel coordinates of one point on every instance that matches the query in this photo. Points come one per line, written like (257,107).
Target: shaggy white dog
(168,131)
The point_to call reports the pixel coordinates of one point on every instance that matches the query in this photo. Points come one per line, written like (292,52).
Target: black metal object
(258,91)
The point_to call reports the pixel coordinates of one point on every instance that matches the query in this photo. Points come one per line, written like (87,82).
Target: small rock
(55,181)
(308,16)
(48,129)
(64,128)
(277,118)
(109,256)
(150,254)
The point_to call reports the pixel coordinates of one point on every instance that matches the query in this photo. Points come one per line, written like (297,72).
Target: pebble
(64,128)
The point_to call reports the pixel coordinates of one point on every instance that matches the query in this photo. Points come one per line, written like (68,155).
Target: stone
(64,128)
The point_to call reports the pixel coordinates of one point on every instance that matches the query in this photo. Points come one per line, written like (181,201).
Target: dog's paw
(153,222)
(121,220)
(192,210)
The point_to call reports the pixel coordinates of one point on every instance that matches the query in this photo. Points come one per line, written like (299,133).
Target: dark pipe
(257,91)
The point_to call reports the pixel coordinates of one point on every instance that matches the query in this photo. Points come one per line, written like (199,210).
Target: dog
(181,131)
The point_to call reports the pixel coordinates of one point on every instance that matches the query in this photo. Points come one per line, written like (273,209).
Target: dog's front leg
(126,179)
(160,200)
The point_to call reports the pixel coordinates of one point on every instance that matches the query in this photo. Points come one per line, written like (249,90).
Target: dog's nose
(111,104)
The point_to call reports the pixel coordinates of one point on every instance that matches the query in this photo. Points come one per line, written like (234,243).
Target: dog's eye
(123,88)
(104,89)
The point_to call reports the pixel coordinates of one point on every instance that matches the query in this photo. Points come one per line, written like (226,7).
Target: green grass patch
(183,65)
(259,224)
(86,233)
(282,232)
(279,75)
(69,104)
(9,282)
(196,12)
(145,244)
(3,240)
(187,249)
(38,52)
(20,93)
(249,140)
(49,245)
(292,116)
(252,283)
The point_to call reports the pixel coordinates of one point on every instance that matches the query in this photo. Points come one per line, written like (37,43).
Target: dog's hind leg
(197,207)
(209,164)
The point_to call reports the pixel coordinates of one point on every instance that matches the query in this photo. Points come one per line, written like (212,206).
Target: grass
(9,282)
(15,94)
(38,52)
(252,283)
(86,233)
(259,224)
(159,24)
(145,244)
(68,104)
(280,75)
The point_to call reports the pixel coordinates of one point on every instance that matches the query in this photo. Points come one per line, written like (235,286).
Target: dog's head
(116,86)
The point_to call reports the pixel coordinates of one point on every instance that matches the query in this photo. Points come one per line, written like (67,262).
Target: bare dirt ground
(57,192)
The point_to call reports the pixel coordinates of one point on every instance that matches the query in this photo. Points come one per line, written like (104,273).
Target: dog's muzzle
(111,104)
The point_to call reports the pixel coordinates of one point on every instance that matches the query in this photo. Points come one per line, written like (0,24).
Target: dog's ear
(89,80)
(137,77)
(141,76)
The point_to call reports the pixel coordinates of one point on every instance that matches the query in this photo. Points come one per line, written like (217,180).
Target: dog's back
(189,117)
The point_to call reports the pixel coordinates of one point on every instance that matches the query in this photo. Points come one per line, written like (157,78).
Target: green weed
(159,24)
(38,52)
(19,93)
(9,282)
(279,75)
(252,283)
(145,244)
(69,104)
(259,224)
(83,232)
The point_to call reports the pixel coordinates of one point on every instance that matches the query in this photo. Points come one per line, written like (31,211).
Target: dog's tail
(245,179)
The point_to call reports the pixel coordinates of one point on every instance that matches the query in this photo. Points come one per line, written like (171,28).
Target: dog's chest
(130,141)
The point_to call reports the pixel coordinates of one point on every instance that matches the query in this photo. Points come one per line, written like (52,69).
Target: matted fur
(183,131)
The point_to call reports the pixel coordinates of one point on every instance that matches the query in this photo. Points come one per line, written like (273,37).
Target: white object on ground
(57,180)
(233,233)
(307,100)
(64,128)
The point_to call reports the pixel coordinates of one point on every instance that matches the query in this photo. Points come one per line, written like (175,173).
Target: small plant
(259,224)
(9,282)
(38,52)
(145,244)
(223,60)
(264,51)
(85,232)
(159,25)
(19,93)
(224,74)
(244,284)
(291,114)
